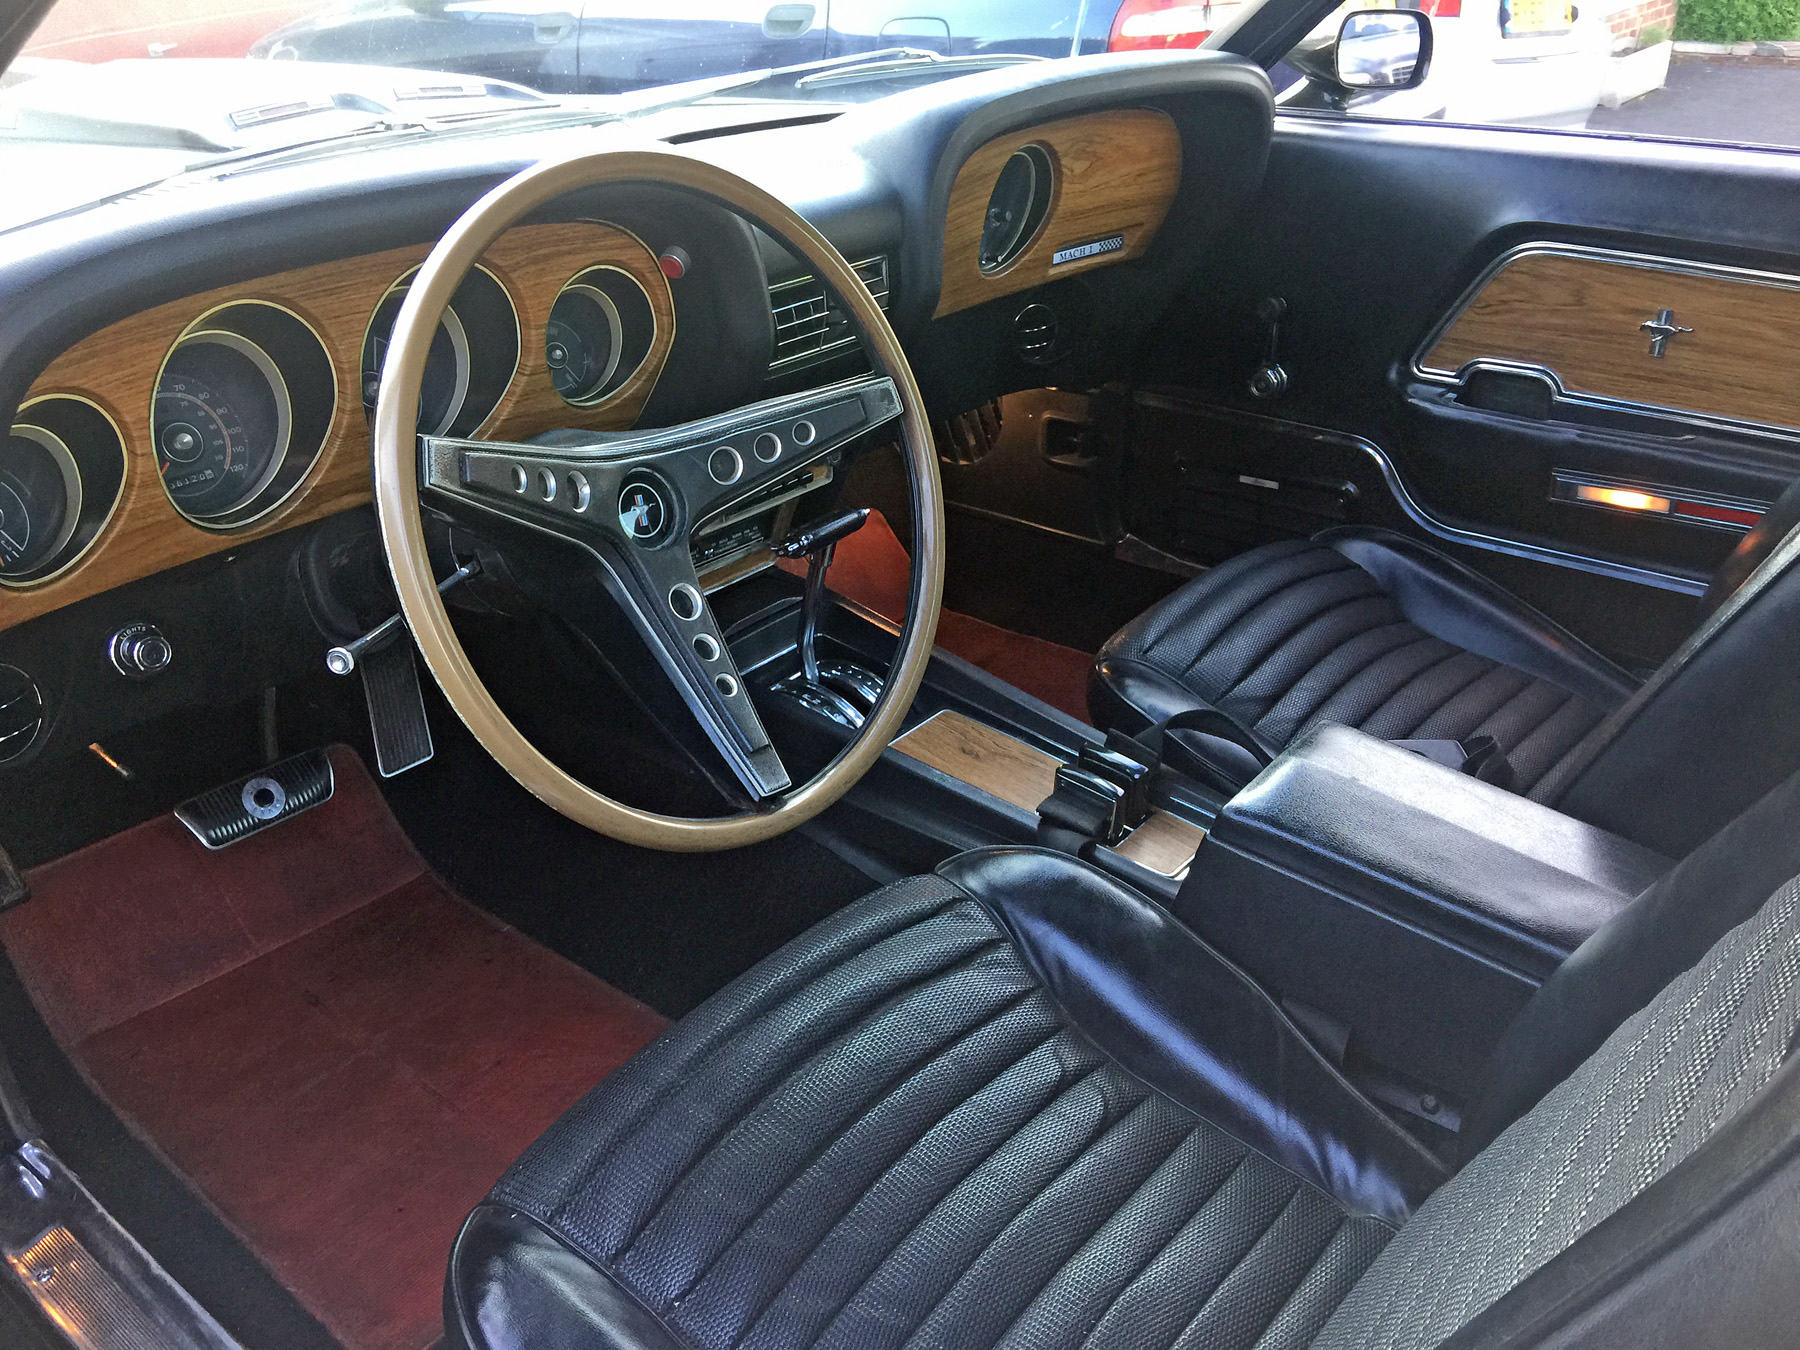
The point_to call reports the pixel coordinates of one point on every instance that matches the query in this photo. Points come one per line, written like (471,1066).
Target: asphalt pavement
(1724,100)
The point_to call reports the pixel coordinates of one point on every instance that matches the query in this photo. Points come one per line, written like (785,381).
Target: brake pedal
(251,804)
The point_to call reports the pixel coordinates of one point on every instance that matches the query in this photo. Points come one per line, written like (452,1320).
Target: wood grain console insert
(1005,767)
(1114,173)
(1000,765)
(116,369)
(1580,316)
(1163,843)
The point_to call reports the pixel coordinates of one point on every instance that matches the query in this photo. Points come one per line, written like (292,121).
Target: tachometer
(40,499)
(473,357)
(446,381)
(221,423)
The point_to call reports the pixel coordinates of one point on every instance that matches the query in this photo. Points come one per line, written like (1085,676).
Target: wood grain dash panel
(1115,173)
(1163,843)
(117,367)
(1000,765)
(1579,317)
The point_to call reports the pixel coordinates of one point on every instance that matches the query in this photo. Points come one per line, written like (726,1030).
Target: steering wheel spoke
(661,594)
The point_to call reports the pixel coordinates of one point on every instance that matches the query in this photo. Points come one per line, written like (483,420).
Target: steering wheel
(631,501)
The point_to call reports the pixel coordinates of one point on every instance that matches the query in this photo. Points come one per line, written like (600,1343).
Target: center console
(1400,908)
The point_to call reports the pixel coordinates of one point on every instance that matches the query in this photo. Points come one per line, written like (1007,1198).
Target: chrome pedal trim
(224,815)
(84,1272)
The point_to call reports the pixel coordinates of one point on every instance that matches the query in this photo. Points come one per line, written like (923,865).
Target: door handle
(786,21)
(550,29)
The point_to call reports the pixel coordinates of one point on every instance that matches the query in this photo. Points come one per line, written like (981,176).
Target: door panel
(1376,234)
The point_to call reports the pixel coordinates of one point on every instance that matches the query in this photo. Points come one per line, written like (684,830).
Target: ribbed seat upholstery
(1368,630)
(900,1138)
(1017,1104)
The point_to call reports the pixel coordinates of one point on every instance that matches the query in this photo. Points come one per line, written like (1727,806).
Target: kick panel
(1629,329)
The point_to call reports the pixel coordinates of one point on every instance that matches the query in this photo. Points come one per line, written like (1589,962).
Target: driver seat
(1016,1103)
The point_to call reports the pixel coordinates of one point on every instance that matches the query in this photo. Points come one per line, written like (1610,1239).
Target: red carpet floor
(873,568)
(338,1052)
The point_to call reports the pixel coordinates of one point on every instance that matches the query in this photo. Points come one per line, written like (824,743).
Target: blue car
(611,46)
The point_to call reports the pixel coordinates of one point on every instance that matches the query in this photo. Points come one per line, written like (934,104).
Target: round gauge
(220,423)
(600,330)
(40,499)
(582,341)
(446,382)
(1017,206)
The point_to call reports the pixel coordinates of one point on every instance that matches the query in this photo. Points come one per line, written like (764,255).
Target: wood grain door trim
(116,369)
(1114,172)
(1575,314)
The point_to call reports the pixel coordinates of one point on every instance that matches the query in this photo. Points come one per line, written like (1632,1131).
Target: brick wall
(1628,22)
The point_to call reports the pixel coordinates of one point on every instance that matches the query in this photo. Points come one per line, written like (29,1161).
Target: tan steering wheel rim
(403,533)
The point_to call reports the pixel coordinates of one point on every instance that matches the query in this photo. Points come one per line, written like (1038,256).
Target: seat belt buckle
(1084,804)
(1129,774)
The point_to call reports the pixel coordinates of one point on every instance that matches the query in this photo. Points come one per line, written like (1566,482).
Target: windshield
(108,96)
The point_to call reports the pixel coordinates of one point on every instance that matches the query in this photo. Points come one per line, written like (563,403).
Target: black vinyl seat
(1377,631)
(1015,1103)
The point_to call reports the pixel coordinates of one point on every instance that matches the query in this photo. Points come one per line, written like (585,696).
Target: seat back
(1708,734)
(1753,549)
(1657,1100)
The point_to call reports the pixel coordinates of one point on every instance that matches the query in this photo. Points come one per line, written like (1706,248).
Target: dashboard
(189,374)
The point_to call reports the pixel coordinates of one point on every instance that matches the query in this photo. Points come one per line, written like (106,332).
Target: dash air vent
(809,326)
(21,712)
(1037,334)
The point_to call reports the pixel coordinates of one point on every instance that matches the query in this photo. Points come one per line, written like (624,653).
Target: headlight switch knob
(139,650)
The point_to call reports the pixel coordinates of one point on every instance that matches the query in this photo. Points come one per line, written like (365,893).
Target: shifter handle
(822,534)
(816,543)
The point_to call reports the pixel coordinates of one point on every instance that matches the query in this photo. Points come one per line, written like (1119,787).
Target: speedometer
(220,423)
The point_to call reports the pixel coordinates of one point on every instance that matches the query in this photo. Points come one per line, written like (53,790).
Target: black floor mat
(667,928)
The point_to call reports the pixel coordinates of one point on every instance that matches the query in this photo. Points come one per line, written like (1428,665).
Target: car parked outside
(609,46)
(1523,62)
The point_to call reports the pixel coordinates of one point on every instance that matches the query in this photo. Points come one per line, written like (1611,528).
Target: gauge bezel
(459,342)
(63,566)
(612,384)
(247,509)
(58,449)
(1045,184)
(616,345)
(284,412)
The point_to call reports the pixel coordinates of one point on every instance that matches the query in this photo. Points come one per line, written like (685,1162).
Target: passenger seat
(1374,630)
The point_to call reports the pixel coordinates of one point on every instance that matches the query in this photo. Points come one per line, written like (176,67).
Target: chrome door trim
(1418,515)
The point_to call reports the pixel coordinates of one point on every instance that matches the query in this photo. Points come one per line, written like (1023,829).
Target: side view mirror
(1382,49)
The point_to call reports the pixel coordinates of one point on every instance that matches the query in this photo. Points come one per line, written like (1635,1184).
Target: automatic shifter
(841,690)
